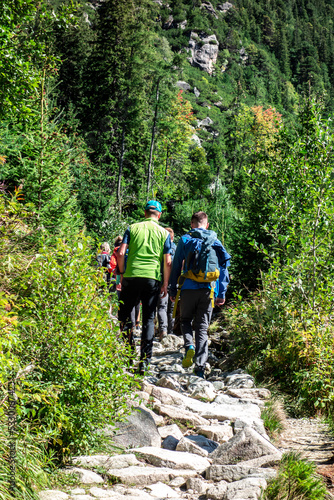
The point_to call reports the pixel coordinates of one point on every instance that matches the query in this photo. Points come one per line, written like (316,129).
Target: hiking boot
(162,335)
(199,372)
(188,358)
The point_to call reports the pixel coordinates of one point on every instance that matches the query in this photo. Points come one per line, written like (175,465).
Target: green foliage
(31,462)
(66,332)
(284,330)
(296,479)
(39,158)
(273,417)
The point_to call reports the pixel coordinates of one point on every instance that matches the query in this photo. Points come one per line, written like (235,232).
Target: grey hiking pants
(196,310)
(165,315)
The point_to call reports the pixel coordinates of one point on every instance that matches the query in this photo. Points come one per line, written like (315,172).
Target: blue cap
(154,205)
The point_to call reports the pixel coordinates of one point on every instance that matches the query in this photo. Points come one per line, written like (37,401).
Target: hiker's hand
(163,292)
(172,299)
(219,302)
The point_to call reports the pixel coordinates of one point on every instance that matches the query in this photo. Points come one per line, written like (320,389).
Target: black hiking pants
(147,291)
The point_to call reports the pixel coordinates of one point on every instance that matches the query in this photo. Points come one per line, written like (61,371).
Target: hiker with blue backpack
(199,279)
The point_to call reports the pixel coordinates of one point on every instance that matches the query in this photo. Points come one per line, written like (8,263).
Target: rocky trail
(193,439)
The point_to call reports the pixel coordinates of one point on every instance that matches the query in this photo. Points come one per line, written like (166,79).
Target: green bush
(30,465)
(296,480)
(66,332)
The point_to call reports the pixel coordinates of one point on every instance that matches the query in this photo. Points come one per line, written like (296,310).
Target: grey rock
(173,459)
(245,445)
(197,485)
(170,430)
(170,443)
(240,381)
(143,396)
(161,490)
(189,446)
(254,423)
(203,442)
(52,495)
(222,399)
(231,473)
(187,417)
(204,51)
(205,123)
(249,393)
(219,433)
(141,476)
(243,55)
(208,6)
(202,390)
(196,92)
(196,140)
(158,419)
(177,482)
(169,383)
(119,492)
(78,491)
(139,430)
(249,488)
(100,492)
(217,492)
(219,385)
(146,387)
(182,25)
(85,476)
(265,461)
(84,497)
(226,6)
(106,461)
(231,412)
(152,379)
(266,473)
(183,85)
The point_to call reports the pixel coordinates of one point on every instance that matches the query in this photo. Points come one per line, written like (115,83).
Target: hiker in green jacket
(148,246)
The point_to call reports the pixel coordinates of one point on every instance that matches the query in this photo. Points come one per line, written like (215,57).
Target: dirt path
(313,440)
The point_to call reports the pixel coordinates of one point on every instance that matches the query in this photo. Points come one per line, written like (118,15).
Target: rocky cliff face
(204,51)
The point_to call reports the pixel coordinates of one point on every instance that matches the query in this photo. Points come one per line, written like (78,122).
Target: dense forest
(221,107)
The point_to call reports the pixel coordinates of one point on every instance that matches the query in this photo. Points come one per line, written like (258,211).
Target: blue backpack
(201,262)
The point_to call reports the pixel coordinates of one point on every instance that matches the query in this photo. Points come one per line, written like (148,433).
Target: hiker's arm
(176,268)
(223,282)
(167,270)
(121,257)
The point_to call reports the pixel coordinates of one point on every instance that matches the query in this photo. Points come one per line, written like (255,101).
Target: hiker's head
(118,241)
(105,247)
(171,232)
(153,210)
(199,219)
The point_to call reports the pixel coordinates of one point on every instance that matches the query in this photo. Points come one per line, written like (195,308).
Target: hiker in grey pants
(196,305)
(197,289)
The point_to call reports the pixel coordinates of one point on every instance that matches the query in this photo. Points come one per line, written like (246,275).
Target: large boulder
(138,430)
(204,51)
(141,476)
(173,459)
(245,445)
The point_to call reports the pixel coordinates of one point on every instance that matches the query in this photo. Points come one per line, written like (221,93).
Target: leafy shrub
(296,479)
(30,466)
(78,355)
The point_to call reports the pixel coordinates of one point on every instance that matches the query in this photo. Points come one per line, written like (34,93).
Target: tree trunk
(149,169)
(120,168)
